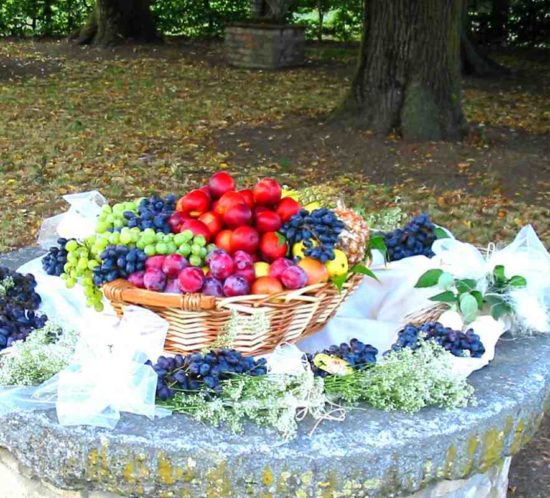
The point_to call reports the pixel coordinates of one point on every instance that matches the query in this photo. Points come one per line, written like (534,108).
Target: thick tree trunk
(408,76)
(113,21)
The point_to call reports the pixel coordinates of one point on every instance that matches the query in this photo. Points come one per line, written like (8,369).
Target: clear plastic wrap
(108,374)
(78,222)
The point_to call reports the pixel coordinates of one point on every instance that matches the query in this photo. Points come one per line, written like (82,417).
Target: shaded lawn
(138,120)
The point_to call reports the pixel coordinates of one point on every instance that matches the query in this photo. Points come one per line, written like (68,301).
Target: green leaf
(376,243)
(465,285)
(281,238)
(517,281)
(493,299)
(441,233)
(468,307)
(501,309)
(479,298)
(363,270)
(429,278)
(339,281)
(444,297)
(498,273)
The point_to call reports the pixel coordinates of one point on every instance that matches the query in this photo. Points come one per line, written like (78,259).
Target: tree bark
(408,76)
(113,21)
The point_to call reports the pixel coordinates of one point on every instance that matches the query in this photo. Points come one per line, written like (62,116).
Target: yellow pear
(261,269)
(339,265)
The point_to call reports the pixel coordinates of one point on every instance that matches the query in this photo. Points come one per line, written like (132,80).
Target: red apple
(213,221)
(248,196)
(245,238)
(260,209)
(287,208)
(223,240)
(268,221)
(176,221)
(267,192)
(237,215)
(220,183)
(194,203)
(197,227)
(227,201)
(206,190)
(273,246)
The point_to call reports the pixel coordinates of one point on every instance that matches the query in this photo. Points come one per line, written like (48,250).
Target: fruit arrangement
(216,240)
(19,302)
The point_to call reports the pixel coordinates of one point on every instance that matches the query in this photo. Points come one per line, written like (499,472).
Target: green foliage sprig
(463,294)
(46,352)
(269,401)
(406,380)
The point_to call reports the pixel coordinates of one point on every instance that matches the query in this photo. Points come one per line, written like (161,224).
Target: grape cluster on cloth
(118,262)
(18,304)
(356,353)
(55,259)
(318,230)
(197,371)
(152,212)
(414,239)
(457,342)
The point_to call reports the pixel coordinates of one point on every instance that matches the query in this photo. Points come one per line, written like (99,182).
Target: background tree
(408,75)
(474,60)
(113,21)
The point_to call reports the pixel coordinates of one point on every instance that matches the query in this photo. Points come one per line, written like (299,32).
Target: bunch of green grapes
(79,268)
(194,248)
(113,217)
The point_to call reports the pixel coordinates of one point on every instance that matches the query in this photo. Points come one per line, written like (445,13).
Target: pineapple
(355,236)
(324,195)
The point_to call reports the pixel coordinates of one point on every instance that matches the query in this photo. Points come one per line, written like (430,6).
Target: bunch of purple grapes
(203,371)
(358,354)
(457,342)
(414,239)
(118,262)
(319,231)
(153,212)
(19,303)
(56,257)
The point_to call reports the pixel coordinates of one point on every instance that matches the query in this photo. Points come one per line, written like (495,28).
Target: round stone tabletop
(371,453)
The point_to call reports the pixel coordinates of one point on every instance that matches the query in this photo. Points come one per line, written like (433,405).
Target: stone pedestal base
(491,484)
(18,482)
(265,46)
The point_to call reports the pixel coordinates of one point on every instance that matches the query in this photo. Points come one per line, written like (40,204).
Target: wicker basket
(197,320)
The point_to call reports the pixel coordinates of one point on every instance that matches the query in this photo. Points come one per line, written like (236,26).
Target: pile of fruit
(216,240)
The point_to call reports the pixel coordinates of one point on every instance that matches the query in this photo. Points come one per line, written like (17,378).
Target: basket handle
(123,292)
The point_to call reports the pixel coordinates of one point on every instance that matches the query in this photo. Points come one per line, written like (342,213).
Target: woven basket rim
(210,302)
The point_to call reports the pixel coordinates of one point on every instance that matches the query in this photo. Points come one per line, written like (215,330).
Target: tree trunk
(408,76)
(113,21)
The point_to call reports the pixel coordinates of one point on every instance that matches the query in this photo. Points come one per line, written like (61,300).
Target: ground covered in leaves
(137,120)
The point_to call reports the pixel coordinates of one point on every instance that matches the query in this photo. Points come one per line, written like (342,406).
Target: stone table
(456,453)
